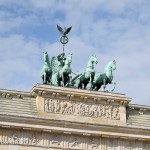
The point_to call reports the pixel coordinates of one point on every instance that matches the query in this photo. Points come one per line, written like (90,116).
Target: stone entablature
(75,104)
(50,117)
(57,141)
(142,109)
(78,94)
(138,116)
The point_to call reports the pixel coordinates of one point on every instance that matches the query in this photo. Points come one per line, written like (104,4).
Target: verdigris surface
(46,70)
(106,77)
(64,39)
(61,70)
(58,70)
(81,80)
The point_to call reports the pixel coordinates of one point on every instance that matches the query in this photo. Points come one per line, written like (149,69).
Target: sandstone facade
(58,118)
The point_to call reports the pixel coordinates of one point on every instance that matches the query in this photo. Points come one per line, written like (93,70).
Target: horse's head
(69,58)
(93,59)
(111,66)
(46,57)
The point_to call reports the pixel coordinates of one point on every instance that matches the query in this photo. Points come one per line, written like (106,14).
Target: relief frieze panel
(81,109)
(93,143)
(63,141)
(75,142)
(55,140)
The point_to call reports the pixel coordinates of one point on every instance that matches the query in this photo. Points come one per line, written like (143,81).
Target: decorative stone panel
(47,140)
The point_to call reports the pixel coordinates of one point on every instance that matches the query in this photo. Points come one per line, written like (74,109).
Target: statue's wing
(54,65)
(68,30)
(60,29)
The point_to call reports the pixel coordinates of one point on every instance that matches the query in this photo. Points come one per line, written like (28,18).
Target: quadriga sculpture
(106,77)
(58,73)
(81,80)
(46,71)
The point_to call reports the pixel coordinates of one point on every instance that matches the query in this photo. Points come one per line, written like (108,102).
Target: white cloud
(18,61)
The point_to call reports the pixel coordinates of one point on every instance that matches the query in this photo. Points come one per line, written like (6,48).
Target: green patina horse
(106,77)
(81,80)
(46,71)
(63,78)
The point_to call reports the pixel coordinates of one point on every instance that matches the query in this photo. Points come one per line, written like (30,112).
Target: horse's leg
(114,83)
(58,79)
(85,85)
(98,87)
(92,78)
(44,77)
(63,79)
(104,83)
(66,80)
(77,83)
(93,85)
(49,77)
(80,86)
(69,80)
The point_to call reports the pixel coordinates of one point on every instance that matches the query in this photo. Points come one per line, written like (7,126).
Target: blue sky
(110,29)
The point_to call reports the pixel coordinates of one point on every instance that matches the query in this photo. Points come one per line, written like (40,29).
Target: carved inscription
(82,109)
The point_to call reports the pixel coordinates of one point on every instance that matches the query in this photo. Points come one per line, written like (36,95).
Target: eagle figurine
(63,31)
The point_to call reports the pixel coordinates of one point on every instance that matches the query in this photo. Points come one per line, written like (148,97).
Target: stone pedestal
(82,106)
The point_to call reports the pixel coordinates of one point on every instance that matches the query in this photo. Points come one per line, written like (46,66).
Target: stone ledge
(61,130)
(62,141)
(84,95)
(39,124)
(139,107)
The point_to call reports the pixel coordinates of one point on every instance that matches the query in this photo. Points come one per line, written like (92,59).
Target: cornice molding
(63,126)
